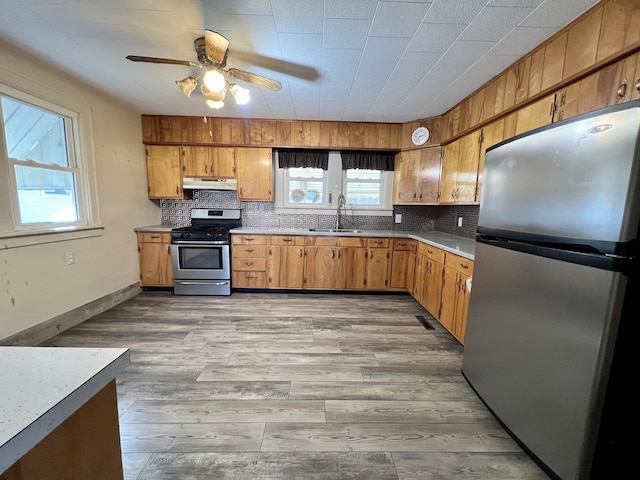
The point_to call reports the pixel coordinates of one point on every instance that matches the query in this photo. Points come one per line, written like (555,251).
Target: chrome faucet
(341,203)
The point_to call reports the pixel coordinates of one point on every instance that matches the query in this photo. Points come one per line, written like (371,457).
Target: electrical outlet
(459,221)
(70,258)
(398,218)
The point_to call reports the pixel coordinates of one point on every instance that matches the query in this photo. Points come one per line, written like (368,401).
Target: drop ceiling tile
(340,59)
(521,40)
(345,33)
(302,48)
(337,78)
(493,23)
(241,7)
(438,80)
(328,91)
(464,52)
(434,37)
(361,9)
(453,11)
(556,13)
(397,19)
(294,16)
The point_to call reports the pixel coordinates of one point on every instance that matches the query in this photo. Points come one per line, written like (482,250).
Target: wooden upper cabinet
(620,27)
(164,179)
(554,53)
(535,114)
(405,177)
(223,162)
(492,134)
(254,171)
(582,44)
(196,161)
(429,175)
(459,175)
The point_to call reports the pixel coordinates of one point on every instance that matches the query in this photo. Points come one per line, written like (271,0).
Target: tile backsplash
(176,213)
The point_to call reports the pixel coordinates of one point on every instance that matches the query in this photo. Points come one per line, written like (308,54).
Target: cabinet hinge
(365,282)
(270,253)
(481,139)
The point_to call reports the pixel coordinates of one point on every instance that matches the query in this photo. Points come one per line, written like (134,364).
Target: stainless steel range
(200,252)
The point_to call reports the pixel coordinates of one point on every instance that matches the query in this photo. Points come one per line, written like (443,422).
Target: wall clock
(420,136)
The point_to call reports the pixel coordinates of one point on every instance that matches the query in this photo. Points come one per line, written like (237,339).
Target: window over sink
(367,192)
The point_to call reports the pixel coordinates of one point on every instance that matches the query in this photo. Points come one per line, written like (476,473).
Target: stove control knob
(188,235)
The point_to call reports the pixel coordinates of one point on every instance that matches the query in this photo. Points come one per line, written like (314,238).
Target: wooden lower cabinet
(378,264)
(285,262)
(154,255)
(428,278)
(335,263)
(456,292)
(248,261)
(403,260)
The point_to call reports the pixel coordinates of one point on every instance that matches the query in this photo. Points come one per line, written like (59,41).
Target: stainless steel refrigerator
(553,313)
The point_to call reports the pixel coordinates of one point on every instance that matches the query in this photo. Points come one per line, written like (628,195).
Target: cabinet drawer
(249,239)
(377,242)
(153,237)
(431,252)
(286,240)
(459,264)
(249,264)
(249,280)
(402,244)
(249,251)
(336,241)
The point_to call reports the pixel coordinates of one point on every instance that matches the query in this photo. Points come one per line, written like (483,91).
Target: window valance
(365,160)
(303,158)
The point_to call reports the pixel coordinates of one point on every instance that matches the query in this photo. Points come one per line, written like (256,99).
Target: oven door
(200,261)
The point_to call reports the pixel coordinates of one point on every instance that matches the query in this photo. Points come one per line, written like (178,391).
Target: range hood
(191,183)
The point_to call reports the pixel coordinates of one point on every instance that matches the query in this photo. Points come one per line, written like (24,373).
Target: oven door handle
(203,243)
(192,282)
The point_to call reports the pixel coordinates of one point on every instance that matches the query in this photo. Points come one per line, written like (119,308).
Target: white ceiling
(379,61)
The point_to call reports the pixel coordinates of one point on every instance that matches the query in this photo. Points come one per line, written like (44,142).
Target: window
(41,145)
(314,189)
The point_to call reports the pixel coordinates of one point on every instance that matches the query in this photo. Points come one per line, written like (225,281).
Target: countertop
(465,247)
(40,387)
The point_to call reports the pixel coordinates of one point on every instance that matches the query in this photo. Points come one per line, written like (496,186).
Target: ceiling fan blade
(288,68)
(216,47)
(259,80)
(135,58)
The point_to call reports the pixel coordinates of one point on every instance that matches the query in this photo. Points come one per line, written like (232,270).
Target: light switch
(459,221)
(398,218)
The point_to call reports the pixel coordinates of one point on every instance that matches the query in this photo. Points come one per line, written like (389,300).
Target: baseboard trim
(49,328)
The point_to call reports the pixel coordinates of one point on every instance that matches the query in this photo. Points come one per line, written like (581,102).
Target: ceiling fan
(212,51)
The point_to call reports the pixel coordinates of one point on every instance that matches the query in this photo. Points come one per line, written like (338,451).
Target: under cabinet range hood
(192,183)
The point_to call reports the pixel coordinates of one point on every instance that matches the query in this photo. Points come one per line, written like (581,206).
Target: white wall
(36,284)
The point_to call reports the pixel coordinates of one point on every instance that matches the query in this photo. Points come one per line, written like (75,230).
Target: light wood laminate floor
(296,386)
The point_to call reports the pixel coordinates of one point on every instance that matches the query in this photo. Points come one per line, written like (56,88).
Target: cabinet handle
(415,195)
(464,266)
(420,196)
(248,264)
(169,249)
(371,254)
(638,85)
(250,250)
(206,169)
(333,253)
(339,253)
(177,190)
(155,236)
(622,89)
(249,239)
(287,240)
(301,253)
(453,193)
(366,254)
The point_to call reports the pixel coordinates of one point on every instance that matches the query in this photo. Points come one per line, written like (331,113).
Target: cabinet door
(377,268)
(462,307)
(419,282)
(352,268)
(223,162)
(156,269)
(429,175)
(163,172)
(535,115)
(449,172)
(492,134)
(400,269)
(320,267)
(254,170)
(433,288)
(449,298)
(405,178)
(467,174)
(285,267)
(196,161)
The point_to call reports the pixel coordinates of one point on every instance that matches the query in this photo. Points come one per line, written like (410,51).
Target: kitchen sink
(335,230)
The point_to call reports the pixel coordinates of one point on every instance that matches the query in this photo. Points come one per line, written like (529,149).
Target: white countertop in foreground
(465,247)
(40,387)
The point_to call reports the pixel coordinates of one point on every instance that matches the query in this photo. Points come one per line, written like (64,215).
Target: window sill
(39,237)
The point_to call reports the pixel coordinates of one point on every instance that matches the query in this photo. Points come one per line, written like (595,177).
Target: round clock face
(420,136)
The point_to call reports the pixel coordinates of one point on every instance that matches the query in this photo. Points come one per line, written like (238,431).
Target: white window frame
(335,185)
(78,133)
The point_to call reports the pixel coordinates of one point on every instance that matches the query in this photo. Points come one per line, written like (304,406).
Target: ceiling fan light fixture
(214,80)
(214,100)
(240,94)
(187,85)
